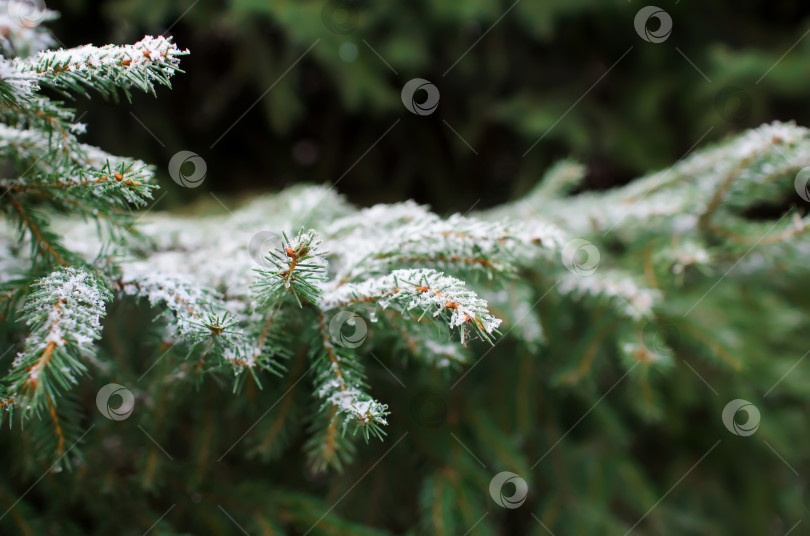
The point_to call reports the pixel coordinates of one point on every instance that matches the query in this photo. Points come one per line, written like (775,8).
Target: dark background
(514,86)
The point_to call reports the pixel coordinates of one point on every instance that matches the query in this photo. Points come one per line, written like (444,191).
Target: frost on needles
(257,316)
(244,327)
(59,295)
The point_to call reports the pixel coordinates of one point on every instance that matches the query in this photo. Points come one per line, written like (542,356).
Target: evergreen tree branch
(340,381)
(198,318)
(63,313)
(458,244)
(300,271)
(107,69)
(423,289)
(41,239)
(623,294)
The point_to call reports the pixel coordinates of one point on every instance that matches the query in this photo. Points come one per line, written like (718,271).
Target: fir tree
(270,328)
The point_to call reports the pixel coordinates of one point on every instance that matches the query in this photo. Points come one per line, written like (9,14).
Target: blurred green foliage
(573,73)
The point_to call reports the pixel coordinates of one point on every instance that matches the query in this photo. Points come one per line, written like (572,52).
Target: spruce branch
(55,172)
(107,69)
(669,240)
(623,294)
(200,319)
(458,244)
(425,290)
(757,163)
(327,447)
(421,343)
(44,243)
(16,87)
(385,218)
(559,180)
(300,269)
(340,383)
(56,163)
(63,312)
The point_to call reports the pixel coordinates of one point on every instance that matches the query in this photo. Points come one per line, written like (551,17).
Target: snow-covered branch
(299,270)
(107,69)
(64,313)
(425,291)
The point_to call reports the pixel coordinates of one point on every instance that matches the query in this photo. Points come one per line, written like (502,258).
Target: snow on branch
(626,297)
(78,165)
(54,171)
(456,244)
(150,61)
(345,404)
(299,270)
(195,315)
(64,315)
(340,383)
(15,85)
(379,217)
(759,165)
(425,290)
